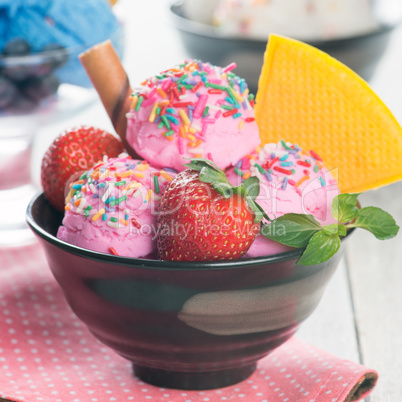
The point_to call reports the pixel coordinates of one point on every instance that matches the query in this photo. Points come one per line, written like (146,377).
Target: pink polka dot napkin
(47,354)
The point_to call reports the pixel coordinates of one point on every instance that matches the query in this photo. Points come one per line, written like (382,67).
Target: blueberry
(7,92)
(13,68)
(17,72)
(57,55)
(38,88)
(16,47)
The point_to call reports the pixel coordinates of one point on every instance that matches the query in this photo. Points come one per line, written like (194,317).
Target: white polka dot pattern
(47,354)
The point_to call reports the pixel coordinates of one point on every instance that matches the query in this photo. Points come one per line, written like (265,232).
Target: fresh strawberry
(73,151)
(203,218)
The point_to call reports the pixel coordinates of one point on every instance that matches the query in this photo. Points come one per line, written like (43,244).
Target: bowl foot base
(194,381)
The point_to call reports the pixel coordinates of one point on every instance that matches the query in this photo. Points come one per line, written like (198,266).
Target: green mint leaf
(380,223)
(344,207)
(335,228)
(330,229)
(321,247)
(342,230)
(252,185)
(294,230)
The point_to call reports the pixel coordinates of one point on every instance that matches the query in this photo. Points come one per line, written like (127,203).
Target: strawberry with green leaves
(72,152)
(203,218)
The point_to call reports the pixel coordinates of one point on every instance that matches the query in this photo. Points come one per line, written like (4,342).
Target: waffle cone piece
(309,98)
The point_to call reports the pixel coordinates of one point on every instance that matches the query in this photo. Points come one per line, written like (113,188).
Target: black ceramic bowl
(361,53)
(183,325)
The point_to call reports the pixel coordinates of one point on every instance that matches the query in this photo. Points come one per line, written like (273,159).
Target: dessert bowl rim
(153,263)
(188,25)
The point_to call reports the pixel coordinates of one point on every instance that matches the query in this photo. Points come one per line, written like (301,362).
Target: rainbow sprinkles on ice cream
(112,207)
(193,110)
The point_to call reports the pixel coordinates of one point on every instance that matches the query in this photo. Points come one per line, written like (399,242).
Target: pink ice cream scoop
(193,110)
(112,208)
(291,180)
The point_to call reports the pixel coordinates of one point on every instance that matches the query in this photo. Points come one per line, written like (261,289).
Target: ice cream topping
(193,110)
(291,180)
(111,208)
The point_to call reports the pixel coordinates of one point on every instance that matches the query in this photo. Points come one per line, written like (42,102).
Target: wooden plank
(387,80)
(376,278)
(332,327)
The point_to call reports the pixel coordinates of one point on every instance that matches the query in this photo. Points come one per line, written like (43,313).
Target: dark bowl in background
(183,325)
(361,53)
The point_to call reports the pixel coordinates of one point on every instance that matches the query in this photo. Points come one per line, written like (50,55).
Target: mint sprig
(322,242)
(302,230)
(249,189)
(344,207)
(294,230)
(321,247)
(378,222)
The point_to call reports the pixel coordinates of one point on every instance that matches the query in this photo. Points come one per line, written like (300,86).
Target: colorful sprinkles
(275,161)
(220,93)
(103,193)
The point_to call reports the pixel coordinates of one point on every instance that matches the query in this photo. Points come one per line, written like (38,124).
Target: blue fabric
(69,23)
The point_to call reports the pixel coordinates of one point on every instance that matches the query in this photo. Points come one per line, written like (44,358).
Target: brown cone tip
(110,80)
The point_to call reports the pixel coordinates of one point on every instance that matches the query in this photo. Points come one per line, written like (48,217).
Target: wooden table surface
(360,315)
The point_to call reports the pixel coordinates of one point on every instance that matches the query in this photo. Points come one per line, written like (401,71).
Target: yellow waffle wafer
(309,98)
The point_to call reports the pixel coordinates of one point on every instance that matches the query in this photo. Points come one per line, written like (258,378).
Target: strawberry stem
(249,189)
